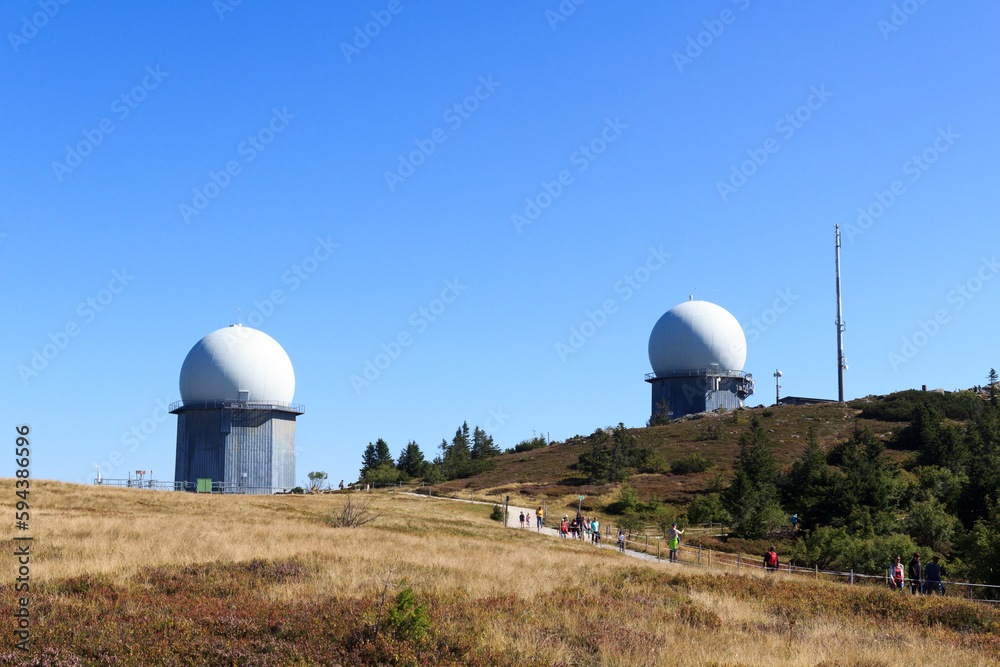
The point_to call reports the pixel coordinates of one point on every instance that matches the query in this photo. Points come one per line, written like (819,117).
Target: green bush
(838,549)
(408,620)
(692,463)
(534,443)
(706,509)
(497,514)
(900,406)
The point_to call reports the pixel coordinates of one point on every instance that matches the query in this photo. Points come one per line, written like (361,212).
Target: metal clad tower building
(236,419)
(697,350)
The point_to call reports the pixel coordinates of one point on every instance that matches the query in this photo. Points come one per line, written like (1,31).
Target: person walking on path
(522,518)
(795,522)
(896,574)
(540,514)
(932,577)
(915,573)
(771,560)
(595,531)
(621,540)
(527,518)
(564,527)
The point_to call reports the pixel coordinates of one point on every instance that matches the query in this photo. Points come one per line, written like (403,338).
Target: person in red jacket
(771,560)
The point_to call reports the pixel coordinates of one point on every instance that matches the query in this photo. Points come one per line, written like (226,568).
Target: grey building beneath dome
(679,393)
(241,447)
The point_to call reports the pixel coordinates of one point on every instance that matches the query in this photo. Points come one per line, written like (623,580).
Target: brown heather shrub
(132,577)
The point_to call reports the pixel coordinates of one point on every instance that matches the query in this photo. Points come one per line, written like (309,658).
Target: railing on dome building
(297,408)
(698,372)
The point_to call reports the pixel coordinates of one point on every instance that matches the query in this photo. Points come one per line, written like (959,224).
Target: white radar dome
(697,335)
(237,363)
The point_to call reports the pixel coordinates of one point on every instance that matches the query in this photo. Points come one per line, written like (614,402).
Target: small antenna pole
(841,365)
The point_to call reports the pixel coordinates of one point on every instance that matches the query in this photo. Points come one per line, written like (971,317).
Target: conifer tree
(411,460)
(752,496)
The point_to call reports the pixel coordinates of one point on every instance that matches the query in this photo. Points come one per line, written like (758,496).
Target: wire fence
(700,556)
(653,544)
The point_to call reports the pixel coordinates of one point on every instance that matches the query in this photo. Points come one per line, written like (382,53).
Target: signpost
(579,504)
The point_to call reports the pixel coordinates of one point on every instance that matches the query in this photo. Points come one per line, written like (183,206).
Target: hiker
(522,518)
(586,527)
(564,527)
(540,513)
(527,518)
(621,540)
(896,574)
(674,541)
(915,573)
(771,560)
(341,485)
(595,531)
(795,522)
(932,577)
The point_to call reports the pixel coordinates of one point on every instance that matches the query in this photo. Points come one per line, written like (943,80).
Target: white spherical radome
(697,335)
(237,359)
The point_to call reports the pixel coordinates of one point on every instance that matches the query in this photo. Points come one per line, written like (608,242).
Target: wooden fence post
(739,559)
(699,554)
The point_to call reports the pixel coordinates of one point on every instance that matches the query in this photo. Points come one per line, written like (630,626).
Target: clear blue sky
(638,132)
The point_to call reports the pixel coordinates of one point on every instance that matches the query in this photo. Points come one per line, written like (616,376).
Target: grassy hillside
(141,578)
(551,472)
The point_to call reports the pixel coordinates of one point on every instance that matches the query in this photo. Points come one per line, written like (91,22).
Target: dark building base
(241,448)
(680,395)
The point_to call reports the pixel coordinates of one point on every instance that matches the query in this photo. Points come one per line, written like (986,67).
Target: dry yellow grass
(451,551)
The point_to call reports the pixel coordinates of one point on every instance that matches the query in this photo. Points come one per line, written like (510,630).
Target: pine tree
(369,460)
(382,453)
(752,496)
(411,460)
(805,483)
(482,445)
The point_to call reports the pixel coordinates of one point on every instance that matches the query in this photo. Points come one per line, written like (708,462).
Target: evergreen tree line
(858,508)
(468,453)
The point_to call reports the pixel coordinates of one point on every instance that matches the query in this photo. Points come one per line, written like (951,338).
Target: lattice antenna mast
(841,362)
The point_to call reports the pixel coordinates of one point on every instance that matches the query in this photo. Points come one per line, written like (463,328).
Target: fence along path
(654,548)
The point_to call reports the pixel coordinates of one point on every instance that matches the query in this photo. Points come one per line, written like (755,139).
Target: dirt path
(550,528)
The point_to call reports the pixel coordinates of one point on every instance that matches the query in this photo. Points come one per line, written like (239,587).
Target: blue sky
(168,166)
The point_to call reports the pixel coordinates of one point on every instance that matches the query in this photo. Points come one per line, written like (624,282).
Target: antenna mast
(840,323)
